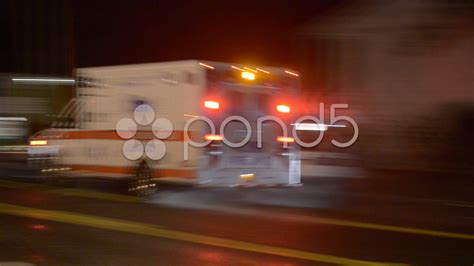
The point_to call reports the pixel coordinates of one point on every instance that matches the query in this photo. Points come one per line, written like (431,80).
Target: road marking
(70,191)
(392,228)
(349,223)
(151,230)
(309,219)
(465,205)
(15,263)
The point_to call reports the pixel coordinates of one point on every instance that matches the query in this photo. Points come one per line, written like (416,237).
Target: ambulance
(207,123)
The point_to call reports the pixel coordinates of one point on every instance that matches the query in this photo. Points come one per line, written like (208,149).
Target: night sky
(252,32)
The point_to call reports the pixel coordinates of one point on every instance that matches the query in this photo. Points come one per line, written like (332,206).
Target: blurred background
(405,68)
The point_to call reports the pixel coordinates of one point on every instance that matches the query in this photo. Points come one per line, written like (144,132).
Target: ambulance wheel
(142,184)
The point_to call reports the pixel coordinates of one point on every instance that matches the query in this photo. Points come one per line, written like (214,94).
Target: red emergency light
(211,104)
(283,108)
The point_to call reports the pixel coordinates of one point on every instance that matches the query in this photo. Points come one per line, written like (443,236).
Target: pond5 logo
(162,128)
(127,128)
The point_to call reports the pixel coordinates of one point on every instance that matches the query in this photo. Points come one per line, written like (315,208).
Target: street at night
(71,224)
(206,132)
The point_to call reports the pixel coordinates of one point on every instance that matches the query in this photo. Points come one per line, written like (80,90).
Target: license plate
(51,150)
(247,162)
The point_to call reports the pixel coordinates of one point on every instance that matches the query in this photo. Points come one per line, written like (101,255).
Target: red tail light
(213,137)
(211,104)
(286,139)
(283,108)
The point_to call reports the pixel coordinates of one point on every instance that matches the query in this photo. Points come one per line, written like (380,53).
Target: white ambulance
(209,123)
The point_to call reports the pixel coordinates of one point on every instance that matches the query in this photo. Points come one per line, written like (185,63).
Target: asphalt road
(90,225)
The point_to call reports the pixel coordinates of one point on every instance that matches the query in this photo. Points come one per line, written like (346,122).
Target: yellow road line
(460,205)
(392,228)
(329,221)
(356,224)
(151,230)
(70,191)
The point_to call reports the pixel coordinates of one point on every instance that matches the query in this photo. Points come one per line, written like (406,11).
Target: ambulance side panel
(173,90)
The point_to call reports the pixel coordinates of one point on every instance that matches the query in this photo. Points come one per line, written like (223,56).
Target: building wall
(37,42)
(406,70)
